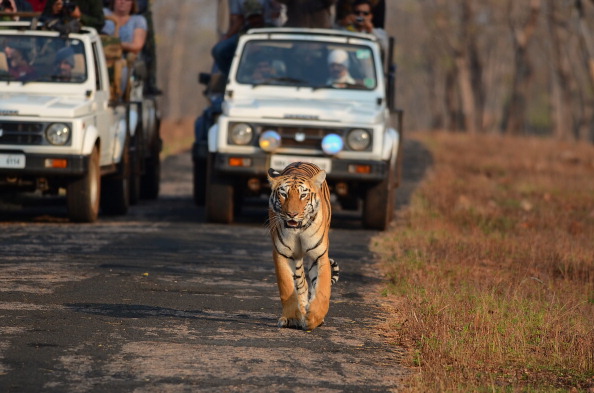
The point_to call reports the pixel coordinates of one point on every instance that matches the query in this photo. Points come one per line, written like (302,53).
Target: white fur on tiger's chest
(297,243)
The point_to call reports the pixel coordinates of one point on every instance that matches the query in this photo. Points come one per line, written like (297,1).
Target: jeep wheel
(378,206)
(150,181)
(82,195)
(135,170)
(219,197)
(199,182)
(115,189)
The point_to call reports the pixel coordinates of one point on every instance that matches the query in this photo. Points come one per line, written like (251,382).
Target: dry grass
(491,267)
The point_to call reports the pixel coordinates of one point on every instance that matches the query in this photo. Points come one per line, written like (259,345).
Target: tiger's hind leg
(292,287)
(320,274)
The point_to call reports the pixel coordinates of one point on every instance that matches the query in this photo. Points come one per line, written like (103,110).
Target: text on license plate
(12,160)
(280,162)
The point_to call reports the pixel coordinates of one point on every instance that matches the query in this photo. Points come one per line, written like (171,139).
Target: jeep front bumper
(42,165)
(257,165)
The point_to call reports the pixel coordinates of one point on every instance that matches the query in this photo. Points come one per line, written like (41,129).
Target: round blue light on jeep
(269,140)
(332,144)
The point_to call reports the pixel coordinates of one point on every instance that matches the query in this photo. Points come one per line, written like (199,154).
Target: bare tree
(522,33)
(586,132)
(561,81)
(454,35)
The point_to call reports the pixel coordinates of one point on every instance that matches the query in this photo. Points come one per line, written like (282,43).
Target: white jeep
(286,100)
(61,127)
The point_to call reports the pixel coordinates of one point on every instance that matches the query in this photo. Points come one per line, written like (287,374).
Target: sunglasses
(365,13)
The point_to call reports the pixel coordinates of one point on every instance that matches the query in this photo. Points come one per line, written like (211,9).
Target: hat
(65,54)
(252,7)
(339,56)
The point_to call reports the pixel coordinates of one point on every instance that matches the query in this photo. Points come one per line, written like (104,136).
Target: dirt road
(159,301)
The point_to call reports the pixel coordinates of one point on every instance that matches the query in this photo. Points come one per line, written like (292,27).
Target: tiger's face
(294,198)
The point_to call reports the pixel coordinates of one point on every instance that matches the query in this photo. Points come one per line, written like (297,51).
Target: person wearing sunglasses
(361,20)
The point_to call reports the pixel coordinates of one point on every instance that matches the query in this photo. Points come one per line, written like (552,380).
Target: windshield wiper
(285,80)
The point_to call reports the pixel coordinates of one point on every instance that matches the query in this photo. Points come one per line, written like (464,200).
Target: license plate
(12,161)
(280,162)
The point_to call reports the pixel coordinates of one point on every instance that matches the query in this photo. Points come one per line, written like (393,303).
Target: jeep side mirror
(204,78)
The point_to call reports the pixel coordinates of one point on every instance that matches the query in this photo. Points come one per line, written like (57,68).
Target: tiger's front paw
(294,323)
(312,322)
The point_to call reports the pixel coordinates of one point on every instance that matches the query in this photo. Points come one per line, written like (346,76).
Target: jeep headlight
(270,140)
(332,144)
(57,133)
(241,134)
(358,139)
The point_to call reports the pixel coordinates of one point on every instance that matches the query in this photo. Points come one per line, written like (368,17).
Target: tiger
(299,214)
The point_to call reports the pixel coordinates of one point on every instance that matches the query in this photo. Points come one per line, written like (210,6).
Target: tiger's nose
(292,214)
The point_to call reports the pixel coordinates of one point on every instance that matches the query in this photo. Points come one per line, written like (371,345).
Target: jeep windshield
(41,59)
(307,64)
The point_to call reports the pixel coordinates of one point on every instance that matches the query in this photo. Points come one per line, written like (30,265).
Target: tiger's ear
(318,179)
(272,175)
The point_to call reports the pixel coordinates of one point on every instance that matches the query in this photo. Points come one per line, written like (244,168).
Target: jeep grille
(307,138)
(19,133)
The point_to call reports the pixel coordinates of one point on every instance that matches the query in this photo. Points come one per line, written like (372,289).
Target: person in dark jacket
(89,12)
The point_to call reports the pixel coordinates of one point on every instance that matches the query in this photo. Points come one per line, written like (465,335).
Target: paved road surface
(159,301)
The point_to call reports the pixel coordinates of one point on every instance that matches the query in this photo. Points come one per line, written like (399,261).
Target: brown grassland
(491,267)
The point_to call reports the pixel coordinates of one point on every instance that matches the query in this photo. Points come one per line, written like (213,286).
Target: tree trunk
(463,65)
(586,132)
(515,119)
(561,98)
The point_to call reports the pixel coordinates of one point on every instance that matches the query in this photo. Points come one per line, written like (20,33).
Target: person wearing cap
(239,8)
(338,64)
(64,63)
(253,15)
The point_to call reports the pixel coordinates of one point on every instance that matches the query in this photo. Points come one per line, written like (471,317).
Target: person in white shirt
(338,65)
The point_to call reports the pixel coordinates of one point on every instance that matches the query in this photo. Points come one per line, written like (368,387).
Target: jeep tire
(219,196)
(378,205)
(115,189)
(83,194)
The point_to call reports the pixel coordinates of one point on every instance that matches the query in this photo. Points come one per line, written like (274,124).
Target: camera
(64,22)
(68,7)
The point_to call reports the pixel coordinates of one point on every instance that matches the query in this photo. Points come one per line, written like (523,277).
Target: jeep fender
(120,140)
(91,135)
(390,146)
(133,118)
(213,134)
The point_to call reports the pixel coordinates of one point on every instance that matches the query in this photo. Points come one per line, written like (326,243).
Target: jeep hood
(43,105)
(316,110)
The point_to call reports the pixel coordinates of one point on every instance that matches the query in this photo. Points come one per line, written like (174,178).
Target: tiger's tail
(335,270)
